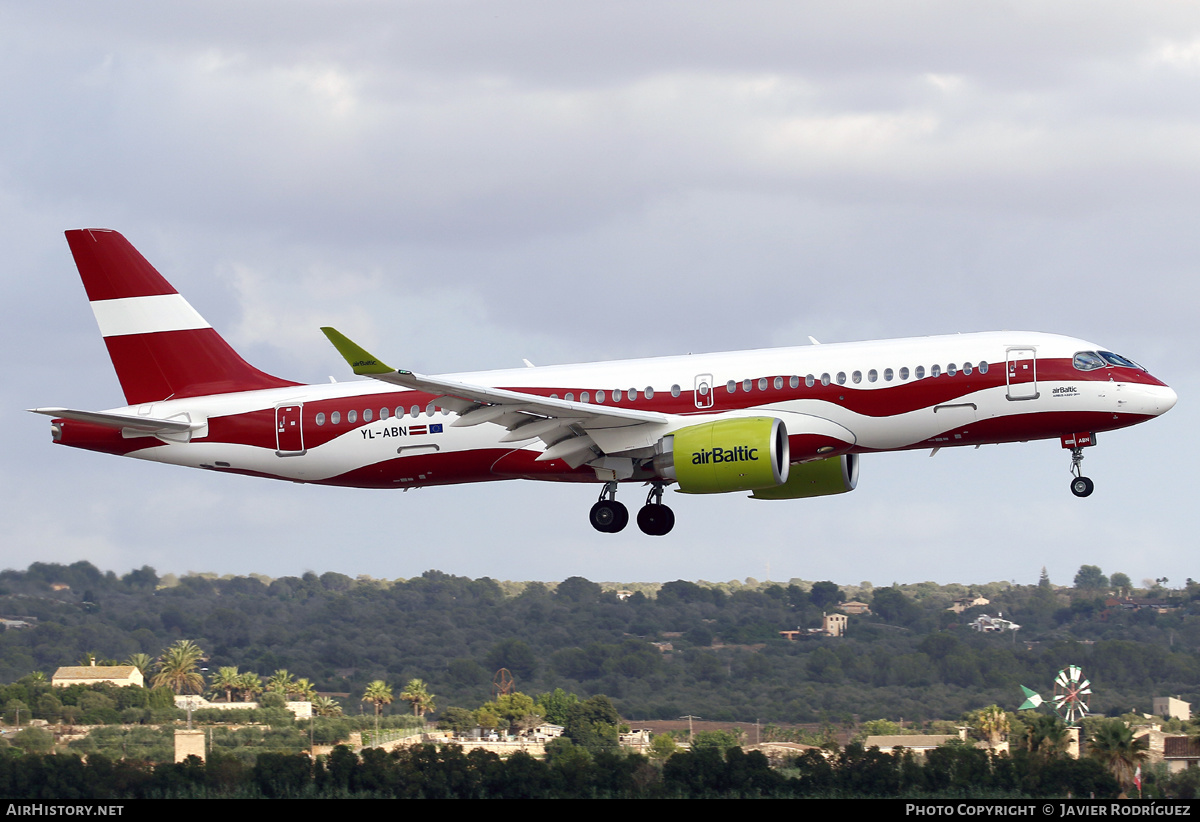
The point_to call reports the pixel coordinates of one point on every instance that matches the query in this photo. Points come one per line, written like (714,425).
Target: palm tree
(142,662)
(177,668)
(379,693)
(282,682)
(1113,745)
(250,684)
(226,680)
(304,689)
(1046,735)
(325,706)
(993,723)
(418,694)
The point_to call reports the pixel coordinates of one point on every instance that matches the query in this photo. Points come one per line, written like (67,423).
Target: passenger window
(584,397)
(856,377)
(731,386)
(778,383)
(599,396)
(649,392)
(632,394)
(904,373)
(983,366)
(887,375)
(872,375)
(352,417)
(920,373)
(841,378)
(762,384)
(335,417)
(415,411)
(810,380)
(616,395)
(935,371)
(367,415)
(825,379)
(321,418)
(384,413)
(951,370)
(570,397)
(794,382)
(429,410)
(967,368)
(676,390)
(747,386)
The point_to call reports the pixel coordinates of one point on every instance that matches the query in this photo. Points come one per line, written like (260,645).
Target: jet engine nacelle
(835,475)
(741,454)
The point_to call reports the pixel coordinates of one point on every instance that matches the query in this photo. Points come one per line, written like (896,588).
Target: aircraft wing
(575,432)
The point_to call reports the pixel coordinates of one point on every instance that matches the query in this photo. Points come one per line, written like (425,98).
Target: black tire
(1082,487)
(656,520)
(608,516)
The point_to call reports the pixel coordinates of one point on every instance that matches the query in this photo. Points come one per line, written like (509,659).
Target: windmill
(1071,693)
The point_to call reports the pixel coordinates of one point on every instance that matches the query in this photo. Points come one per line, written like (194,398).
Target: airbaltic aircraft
(780,423)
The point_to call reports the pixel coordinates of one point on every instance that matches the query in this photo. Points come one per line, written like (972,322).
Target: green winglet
(362,362)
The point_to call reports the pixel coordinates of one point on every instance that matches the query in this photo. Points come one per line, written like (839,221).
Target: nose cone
(1158,399)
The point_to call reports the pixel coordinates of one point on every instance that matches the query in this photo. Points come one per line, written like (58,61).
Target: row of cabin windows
(368,414)
(856,377)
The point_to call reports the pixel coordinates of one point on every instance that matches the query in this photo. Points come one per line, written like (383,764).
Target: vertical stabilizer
(159,345)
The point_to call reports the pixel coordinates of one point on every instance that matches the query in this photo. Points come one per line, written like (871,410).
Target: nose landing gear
(1081,486)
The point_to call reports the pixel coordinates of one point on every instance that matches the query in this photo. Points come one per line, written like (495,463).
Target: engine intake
(742,454)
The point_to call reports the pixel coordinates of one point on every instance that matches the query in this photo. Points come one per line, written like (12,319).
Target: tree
(378,693)
(826,595)
(250,684)
(992,723)
(418,695)
(1090,578)
(1122,583)
(1113,746)
(1046,736)
(177,668)
(226,680)
(326,706)
(143,662)
(282,682)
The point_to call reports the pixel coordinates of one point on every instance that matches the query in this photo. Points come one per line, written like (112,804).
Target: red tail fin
(160,346)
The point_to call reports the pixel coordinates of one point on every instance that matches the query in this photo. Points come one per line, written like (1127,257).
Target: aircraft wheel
(1082,486)
(655,519)
(609,516)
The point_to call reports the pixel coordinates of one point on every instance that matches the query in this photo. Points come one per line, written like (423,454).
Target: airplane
(783,423)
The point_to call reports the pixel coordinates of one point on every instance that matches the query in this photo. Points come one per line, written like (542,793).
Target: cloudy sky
(459,185)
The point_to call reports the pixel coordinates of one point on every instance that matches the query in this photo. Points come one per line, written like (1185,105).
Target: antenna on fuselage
(813,340)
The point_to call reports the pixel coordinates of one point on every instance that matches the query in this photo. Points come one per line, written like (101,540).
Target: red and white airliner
(781,423)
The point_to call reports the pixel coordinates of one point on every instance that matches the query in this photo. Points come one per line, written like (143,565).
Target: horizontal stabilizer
(126,422)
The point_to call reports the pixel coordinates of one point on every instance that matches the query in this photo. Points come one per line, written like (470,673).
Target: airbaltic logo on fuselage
(739,453)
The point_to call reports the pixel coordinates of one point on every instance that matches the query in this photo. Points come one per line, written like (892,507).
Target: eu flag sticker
(435,428)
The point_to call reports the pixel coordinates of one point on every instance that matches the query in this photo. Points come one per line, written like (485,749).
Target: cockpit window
(1087,361)
(1117,359)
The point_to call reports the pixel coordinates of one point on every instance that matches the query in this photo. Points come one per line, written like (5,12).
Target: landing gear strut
(655,519)
(1081,486)
(609,516)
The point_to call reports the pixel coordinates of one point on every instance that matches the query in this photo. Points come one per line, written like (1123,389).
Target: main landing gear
(1081,486)
(609,516)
